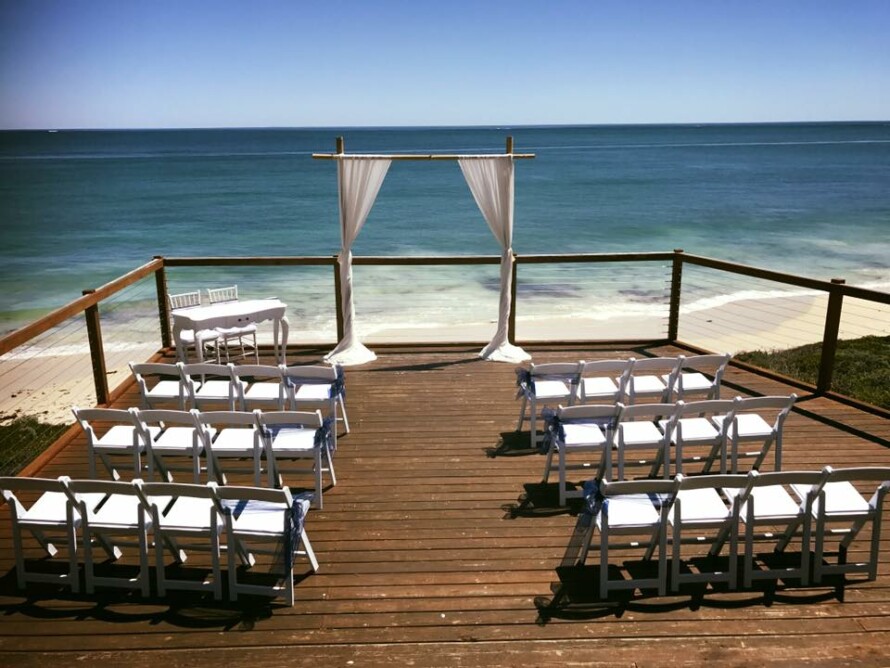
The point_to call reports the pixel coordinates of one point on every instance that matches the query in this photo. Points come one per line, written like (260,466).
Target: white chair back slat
(184,300)
(226,294)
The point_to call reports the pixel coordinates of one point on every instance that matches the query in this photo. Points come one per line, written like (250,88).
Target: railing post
(676,285)
(337,300)
(163,306)
(829,337)
(97,352)
(511,323)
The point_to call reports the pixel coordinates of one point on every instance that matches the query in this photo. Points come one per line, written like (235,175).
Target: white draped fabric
(490,179)
(358,182)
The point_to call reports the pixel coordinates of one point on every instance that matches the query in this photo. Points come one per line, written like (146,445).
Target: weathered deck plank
(436,549)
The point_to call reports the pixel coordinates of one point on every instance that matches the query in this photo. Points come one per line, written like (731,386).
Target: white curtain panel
(490,179)
(358,182)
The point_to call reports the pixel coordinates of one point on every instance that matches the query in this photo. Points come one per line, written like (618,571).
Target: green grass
(22,440)
(861,368)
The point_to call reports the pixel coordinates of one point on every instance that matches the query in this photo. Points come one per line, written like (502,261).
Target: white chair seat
(750,425)
(165,389)
(695,429)
(260,518)
(52,508)
(599,387)
(293,438)
(647,385)
(121,511)
(214,389)
(188,336)
(631,510)
(235,331)
(841,498)
(312,392)
(700,506)
(175,438)
(694,382)
(233,440)
(188,514)
(551,389)
(121,436)
(263,392)
(641,432)
(771,501)
(579,434)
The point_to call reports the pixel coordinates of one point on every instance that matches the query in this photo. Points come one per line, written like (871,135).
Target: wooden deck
(439,547)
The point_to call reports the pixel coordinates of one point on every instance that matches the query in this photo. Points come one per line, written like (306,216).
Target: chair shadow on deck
(186,609)
(512,444)
(541,499)
(576,594)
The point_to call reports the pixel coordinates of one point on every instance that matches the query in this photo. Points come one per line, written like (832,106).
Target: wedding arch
(490,179)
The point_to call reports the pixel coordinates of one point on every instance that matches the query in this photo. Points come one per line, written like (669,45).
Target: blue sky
(225,63)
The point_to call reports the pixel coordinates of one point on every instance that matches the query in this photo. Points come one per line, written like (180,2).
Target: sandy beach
(47,386)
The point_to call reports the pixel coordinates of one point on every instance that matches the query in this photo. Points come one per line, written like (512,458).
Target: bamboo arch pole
(340,152)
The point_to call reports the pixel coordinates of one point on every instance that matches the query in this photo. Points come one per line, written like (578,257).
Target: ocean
(78,208)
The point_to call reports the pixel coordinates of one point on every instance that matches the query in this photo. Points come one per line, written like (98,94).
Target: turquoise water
(78,208)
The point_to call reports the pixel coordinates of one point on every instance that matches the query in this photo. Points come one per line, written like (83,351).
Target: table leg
(180,346)
(199,349)
(285,330)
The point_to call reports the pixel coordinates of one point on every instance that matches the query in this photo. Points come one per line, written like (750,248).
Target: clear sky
(255,63)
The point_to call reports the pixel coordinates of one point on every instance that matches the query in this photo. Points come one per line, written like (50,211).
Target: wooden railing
(836,289)
(89,303)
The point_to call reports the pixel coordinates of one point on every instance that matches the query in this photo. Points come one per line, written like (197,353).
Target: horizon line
(507,126)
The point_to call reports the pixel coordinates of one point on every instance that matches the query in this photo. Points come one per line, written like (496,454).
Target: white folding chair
(256,516)
(749,426)
(605,381)
(260,386)
(184,517)
(698,374)
(159,384)
(206,338)
(245,335)
(692,426)
(766,503)
(50,519)
(699,507)
(118,520)
(112,432)
(181,435)
(650,378)
(638,430)
(839,502)
(231,435)
(542,384)
(295,436)
(209,384)
(317,386)
(637,509)
(580,429)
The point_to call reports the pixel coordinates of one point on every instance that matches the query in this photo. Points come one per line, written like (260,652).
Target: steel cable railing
(710,304)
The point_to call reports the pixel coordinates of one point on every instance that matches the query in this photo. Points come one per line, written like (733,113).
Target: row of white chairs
(741,512)
(663,379)
(243,387)
(220,340)
(158,518)
(706,432)
(149,440)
